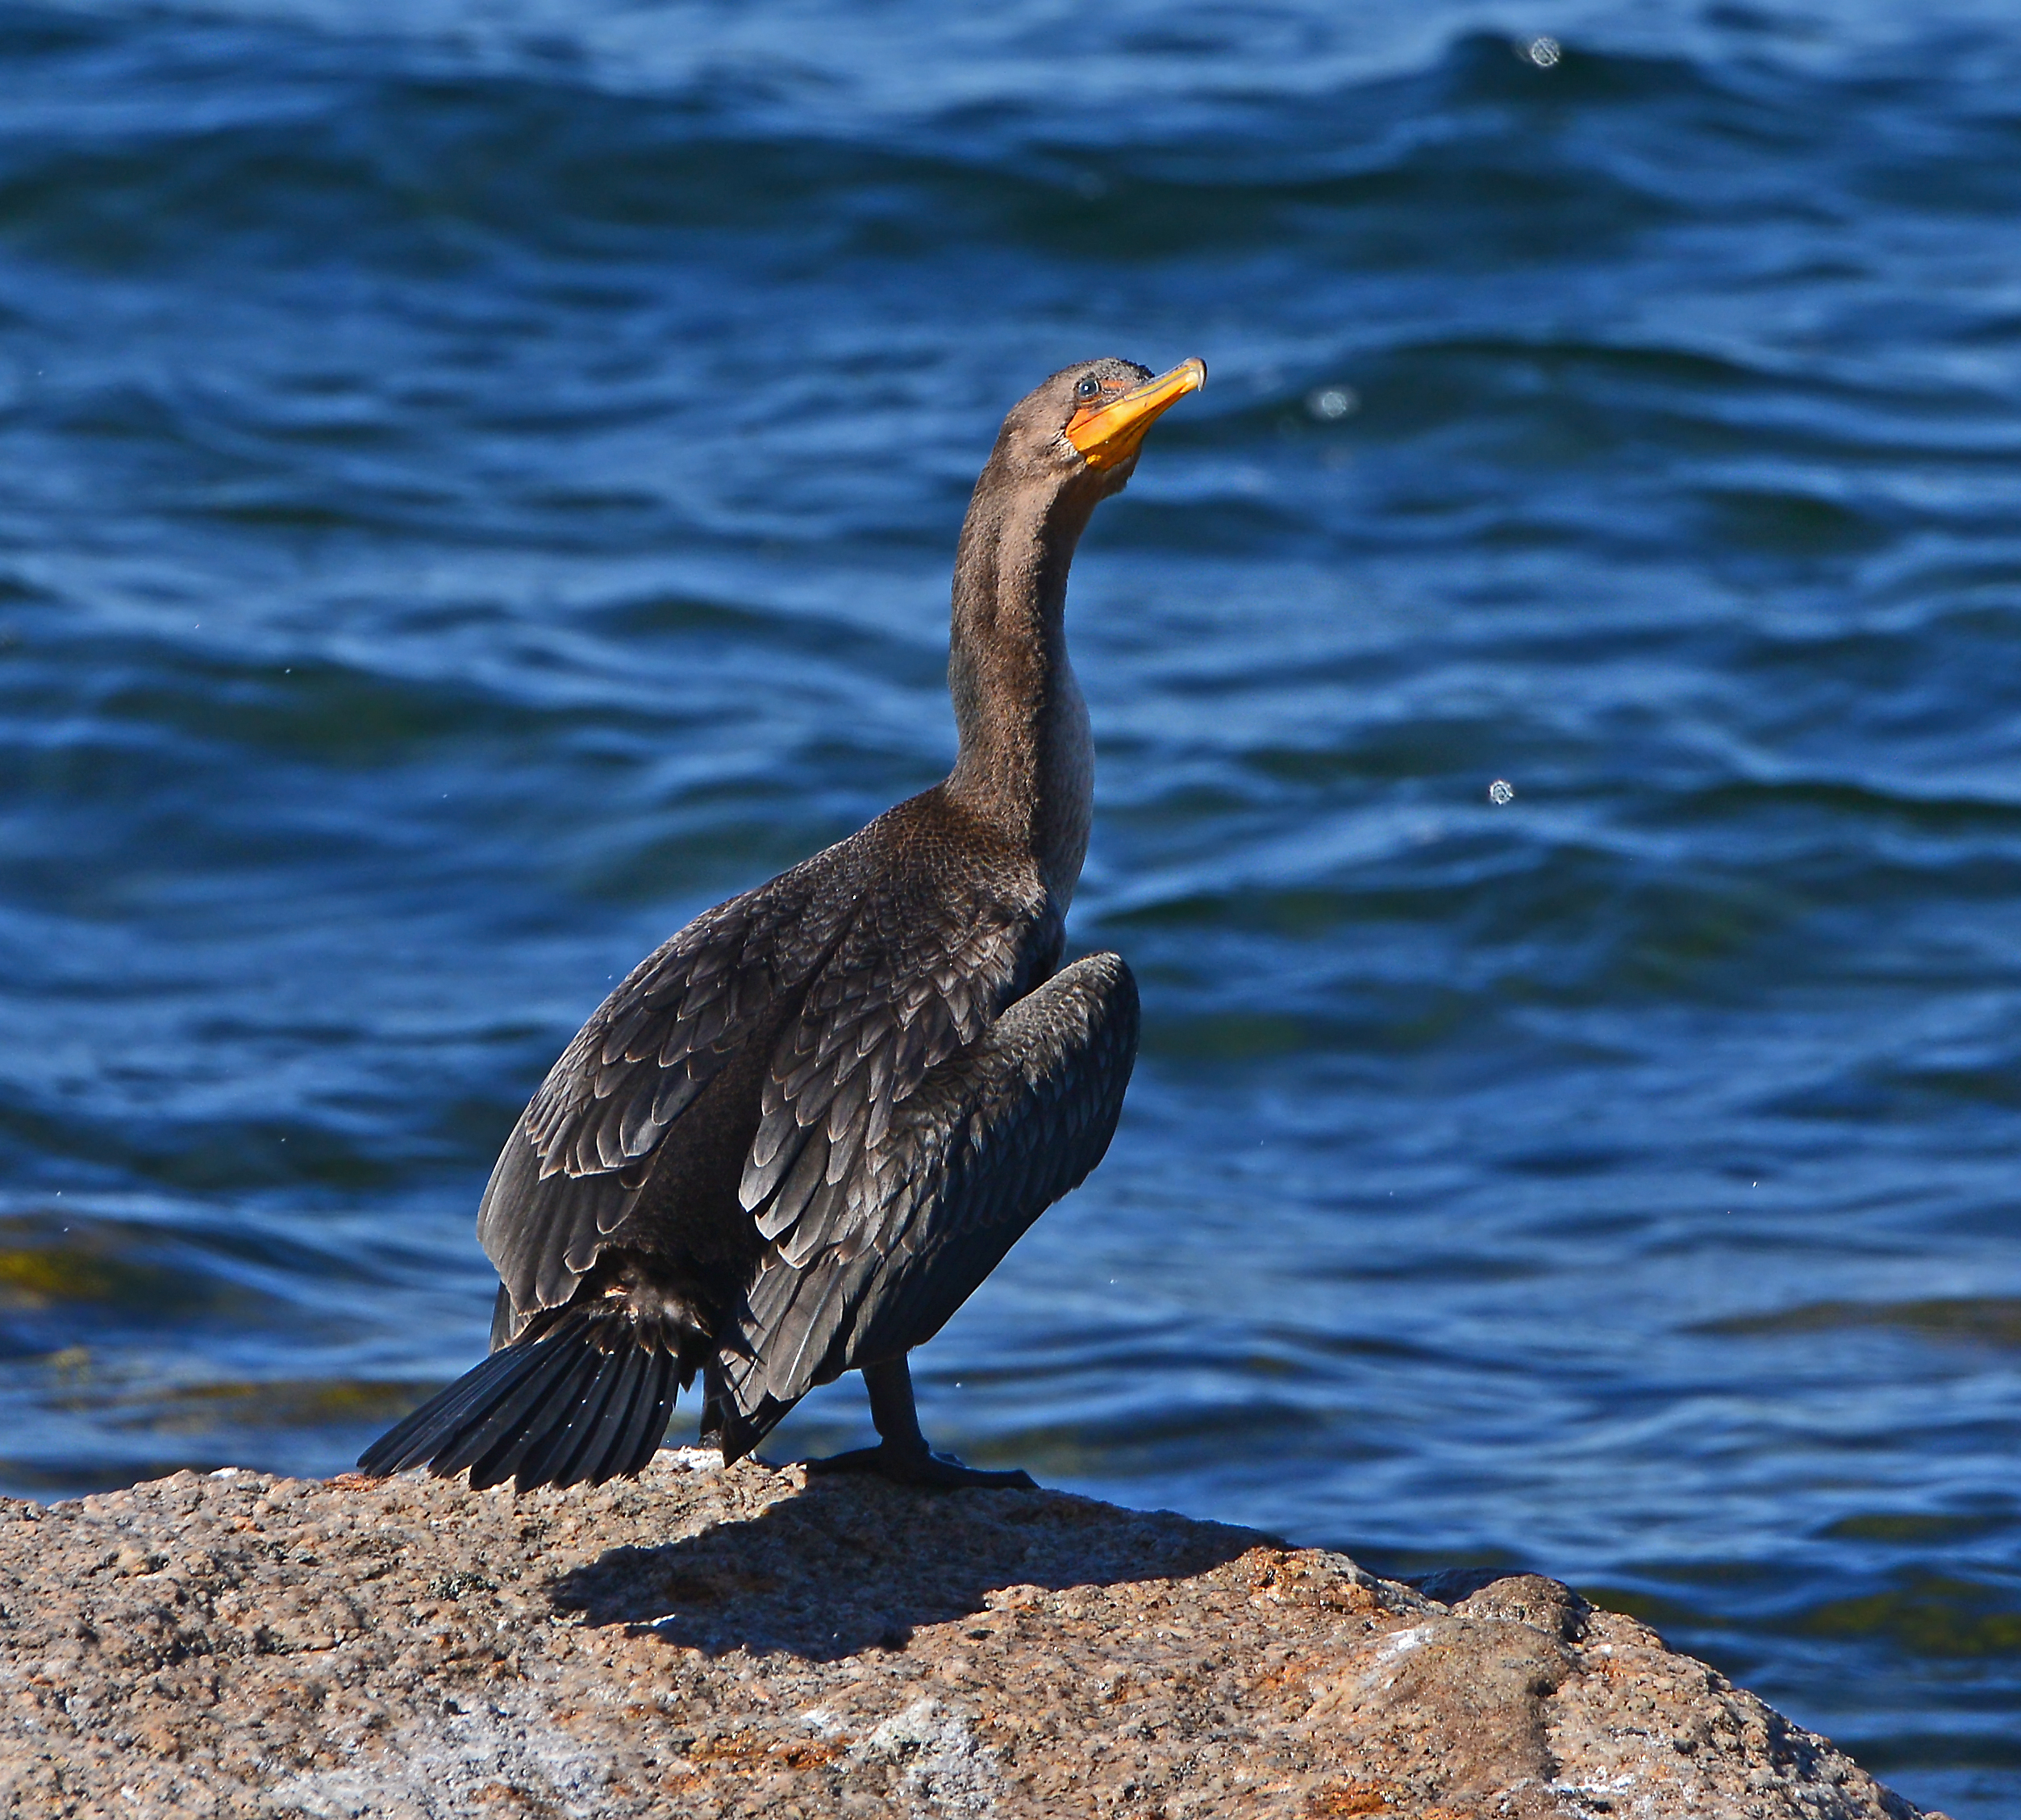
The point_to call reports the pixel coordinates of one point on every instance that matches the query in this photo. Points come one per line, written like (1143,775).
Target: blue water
(477,484)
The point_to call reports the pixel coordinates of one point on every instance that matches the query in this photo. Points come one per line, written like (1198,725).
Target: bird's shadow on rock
(853,1564)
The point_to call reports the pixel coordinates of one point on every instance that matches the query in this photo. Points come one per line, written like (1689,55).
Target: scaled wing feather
(572,1170)
(987,1141)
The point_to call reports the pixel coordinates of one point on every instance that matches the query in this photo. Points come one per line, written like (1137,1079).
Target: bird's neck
(1026,764)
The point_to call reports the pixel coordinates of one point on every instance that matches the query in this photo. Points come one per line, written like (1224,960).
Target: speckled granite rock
(712,1643)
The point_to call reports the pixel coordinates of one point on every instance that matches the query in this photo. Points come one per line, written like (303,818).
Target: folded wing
(867,1262)
(573,1169)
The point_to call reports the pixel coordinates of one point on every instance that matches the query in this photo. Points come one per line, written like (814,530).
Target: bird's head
(1086,422)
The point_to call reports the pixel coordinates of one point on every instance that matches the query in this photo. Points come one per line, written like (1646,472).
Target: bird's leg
(902,1454)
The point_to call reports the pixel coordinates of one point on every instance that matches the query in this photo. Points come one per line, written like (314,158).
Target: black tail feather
(641,1436)
(585,1425)
(607,1445)
(610,1443)
(485,1422)
(517,1456)
(554,1408)
(450,1411)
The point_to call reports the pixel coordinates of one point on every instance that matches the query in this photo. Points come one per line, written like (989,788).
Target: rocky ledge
(714,1643)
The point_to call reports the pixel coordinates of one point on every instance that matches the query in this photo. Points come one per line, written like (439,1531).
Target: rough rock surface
(712,1642)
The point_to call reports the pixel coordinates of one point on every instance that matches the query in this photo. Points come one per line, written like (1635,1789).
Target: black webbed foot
(937,1472)
(903,1456)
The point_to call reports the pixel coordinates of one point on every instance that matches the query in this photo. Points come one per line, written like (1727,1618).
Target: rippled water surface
(477,484)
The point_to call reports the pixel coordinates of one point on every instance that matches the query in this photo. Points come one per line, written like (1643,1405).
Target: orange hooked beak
(1109,432)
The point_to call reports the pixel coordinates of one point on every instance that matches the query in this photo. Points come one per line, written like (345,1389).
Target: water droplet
(1542,52)
(1330,403)
(1501,791)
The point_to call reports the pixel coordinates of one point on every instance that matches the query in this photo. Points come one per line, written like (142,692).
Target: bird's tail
(575,1400)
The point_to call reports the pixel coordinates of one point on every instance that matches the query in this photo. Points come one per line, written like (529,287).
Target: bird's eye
(1089,388)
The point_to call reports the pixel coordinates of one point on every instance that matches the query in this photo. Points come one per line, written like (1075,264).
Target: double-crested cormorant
(801,1134)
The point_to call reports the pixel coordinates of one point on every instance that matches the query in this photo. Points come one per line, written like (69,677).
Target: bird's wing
(921,972)
(583,1148)
(871,1262)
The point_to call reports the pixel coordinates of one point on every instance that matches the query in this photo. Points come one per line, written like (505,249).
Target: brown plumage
(798,1137)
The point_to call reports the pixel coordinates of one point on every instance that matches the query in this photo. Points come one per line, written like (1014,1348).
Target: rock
(742,1642)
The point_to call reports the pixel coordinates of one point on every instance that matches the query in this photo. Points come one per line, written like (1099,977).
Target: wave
(311,147)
